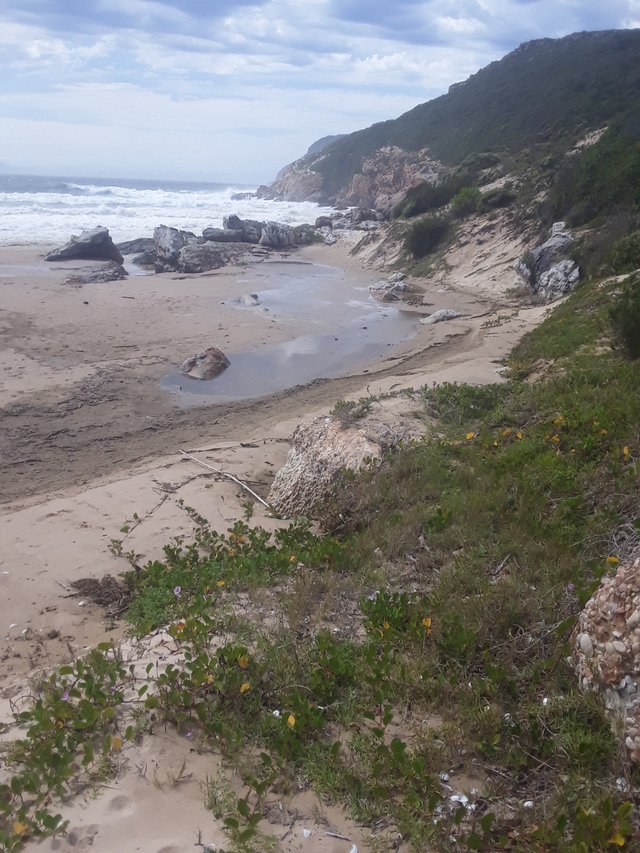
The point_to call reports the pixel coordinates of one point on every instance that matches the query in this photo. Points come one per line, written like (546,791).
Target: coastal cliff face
(383,180)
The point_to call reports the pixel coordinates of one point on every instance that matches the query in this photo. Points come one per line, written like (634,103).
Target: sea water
(48,210)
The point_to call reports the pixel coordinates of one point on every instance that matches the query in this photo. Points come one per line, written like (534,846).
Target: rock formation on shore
(95,244)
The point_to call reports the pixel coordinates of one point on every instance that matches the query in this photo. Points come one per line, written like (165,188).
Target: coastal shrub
(466,201)
(625,255)
(499,197)
(427,196)
(625,317)
(426,235)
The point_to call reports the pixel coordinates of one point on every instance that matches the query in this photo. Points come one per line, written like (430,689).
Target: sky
(232,90)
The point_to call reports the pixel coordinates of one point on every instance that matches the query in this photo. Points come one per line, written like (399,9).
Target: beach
(90,447)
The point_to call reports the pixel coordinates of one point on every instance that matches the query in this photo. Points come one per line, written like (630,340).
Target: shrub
(625,255)
(425,197)
(500,197)
(466,201)
(426,235)
(625,318)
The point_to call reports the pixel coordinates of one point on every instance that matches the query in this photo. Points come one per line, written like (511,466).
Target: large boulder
(548,270)
(606,652)
(205,365)
(167,244)
(95,245)
(111,271)
(251,229)
(277,236)
(223,235)
(322,449)
(136,247)
(199,257)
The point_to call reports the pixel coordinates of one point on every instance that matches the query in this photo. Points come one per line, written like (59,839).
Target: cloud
(231,72)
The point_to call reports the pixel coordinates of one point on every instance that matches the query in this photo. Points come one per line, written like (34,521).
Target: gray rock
(136,247)
(304,235)
(167,243)
(324,222)
(250,299)
(146,259)
(111,271)
(322,448)
(251,228)
(277,236)
(440,316)
(557,281)
(95,244)
(205,365)
(196,257)
(552,250)
(223,235)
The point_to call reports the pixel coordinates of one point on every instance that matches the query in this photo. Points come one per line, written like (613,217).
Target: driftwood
(226,474)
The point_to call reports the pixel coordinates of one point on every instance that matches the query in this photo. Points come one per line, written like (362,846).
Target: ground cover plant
(422,635)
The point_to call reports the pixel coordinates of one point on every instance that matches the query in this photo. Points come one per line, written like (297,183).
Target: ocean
(48,210)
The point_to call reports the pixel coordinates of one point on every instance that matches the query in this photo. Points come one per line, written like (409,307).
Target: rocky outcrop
(548,270)
(321,449)
(95,245)
(295,182)
(393,289)
(136,247)
(167,243)
(93,275)
(223,235)
(205,365)
(606,652)
(196,257)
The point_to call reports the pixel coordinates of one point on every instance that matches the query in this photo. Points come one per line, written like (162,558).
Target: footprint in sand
(76,840)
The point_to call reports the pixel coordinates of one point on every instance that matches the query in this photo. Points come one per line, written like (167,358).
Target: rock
(557,281)
(250,299)
(90,245)
(322,448)
(547,270)
(389,291)
(167,243)
(606,652)
(205,365)
(440,316)
(277,236)
(242,196)
(90,275)
(251,229)
(324,222)
(199,257)
(223,235)
(304,235)
(146,259)
(136,247)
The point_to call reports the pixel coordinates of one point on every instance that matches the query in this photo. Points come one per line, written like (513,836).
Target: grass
(422,635)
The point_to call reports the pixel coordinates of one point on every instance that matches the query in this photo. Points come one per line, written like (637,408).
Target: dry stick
(226,474)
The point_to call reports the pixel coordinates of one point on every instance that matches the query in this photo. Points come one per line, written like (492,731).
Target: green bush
(625,255)
(466,201)
(500,197)
(426,235)
(625,318)
(425,197)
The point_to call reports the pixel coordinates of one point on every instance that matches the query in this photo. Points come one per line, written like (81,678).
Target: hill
(542,97)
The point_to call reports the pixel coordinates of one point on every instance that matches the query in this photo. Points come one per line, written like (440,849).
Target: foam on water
(49,210)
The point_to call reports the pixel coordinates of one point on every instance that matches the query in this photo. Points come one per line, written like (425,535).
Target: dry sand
(89,440)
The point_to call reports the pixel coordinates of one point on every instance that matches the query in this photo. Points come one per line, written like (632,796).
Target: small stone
(619,646)
(586,645)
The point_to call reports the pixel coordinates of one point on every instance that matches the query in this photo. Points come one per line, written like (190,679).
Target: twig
(226,474)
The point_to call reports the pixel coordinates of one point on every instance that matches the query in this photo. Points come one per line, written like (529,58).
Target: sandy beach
(90,440)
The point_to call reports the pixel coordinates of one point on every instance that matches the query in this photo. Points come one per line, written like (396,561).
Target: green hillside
(542,96)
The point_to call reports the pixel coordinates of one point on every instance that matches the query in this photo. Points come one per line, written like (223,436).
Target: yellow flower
(291,721)
(209,679)
(625,451)
(116,743)
(232,552)
(612,560)
(292,558)
(555,439)
(470,435)
(506,432)
(559,420)
(243,661)
(386,625)
(520,434)
(427,622)
(244,687)
(604,432)
(220,584)
(19,828)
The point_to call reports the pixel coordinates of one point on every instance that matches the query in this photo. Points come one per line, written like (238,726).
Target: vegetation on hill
(541,97)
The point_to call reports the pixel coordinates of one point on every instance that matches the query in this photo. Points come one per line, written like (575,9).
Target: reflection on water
(347,328)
